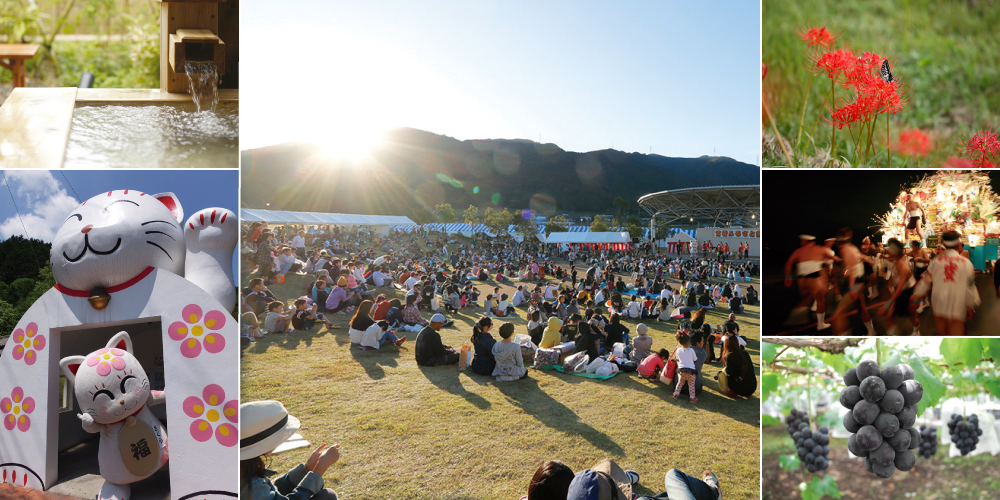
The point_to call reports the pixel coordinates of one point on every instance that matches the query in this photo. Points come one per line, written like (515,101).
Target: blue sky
(678,78)
(44,198)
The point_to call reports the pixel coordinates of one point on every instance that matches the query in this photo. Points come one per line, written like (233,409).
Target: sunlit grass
(412,432)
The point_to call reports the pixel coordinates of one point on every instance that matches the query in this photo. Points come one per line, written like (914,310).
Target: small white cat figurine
(113,392)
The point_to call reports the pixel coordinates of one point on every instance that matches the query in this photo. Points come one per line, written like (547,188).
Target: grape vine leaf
(768,351)
(966,351)
(790,462)
(934,389)
(991,347)
(992,385)
(768,383)
(818,488)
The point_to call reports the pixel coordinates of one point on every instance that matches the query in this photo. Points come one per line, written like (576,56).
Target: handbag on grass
(667,375)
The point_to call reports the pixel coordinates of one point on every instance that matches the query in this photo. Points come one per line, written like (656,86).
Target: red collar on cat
(127,416)
(113,289)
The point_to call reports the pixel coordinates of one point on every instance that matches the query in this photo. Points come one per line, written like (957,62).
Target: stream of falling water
(203,83)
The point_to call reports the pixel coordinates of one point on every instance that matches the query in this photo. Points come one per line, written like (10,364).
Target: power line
(70,186)
(18,211)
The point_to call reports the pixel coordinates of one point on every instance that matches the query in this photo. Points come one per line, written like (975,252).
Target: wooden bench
(15,54)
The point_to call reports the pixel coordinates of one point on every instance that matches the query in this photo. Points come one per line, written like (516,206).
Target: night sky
(819,202)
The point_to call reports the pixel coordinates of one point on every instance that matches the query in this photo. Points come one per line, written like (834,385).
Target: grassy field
(415,432)
(946,54)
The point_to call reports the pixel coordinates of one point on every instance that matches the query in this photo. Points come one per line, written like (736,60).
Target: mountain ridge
(412,170)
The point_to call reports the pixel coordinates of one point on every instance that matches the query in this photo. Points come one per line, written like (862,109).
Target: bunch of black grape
(928,441)
(813,447)
(965,433)
(883,406)
(793,420)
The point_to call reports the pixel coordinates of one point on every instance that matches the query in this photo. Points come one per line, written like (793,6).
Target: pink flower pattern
(191,331)
(106,359)
(27,343)
(15,410)
(209,410)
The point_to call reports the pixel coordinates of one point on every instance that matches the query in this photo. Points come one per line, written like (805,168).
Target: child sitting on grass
(651,366)
(306,316)
(251,327)
(275,321)
(686,365)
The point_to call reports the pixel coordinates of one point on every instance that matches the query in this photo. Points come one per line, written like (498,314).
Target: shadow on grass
(288,341)
(447,378)
(373,360)
(526,395)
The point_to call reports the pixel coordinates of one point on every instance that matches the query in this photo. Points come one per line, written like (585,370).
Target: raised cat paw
(211,227)
(210,236)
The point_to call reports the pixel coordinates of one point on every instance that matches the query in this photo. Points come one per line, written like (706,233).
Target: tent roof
(589,237)
(315,218)
(681,236)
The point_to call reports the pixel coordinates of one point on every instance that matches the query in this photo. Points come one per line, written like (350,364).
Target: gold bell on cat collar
(99,298)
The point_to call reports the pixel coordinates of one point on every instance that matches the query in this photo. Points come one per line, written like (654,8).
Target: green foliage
(497,221)
(20,19)
(768,383)
(961,351)
(819,488)
(526,226)
(598,226)
(21,258)
(557,224)
(768,351)
(471,215)
(790,462)
(445,213)
(769,421)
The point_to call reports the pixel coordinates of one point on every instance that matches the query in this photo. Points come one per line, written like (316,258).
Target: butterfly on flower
(885,73)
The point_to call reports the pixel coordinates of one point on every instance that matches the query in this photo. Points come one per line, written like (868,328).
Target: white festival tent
(380,222)
(605,240)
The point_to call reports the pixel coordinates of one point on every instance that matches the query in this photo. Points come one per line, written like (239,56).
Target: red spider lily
(913,143)
(957,163)
(818,36)
(837,62)
(873,95)
(763,71)
(982,147)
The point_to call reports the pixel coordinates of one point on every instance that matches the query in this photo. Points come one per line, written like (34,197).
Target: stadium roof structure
(315,218)
(717,206)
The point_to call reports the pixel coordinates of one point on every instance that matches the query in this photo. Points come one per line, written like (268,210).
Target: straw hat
(264,425)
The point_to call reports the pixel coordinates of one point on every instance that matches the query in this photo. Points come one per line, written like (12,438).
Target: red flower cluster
(818,36)
(982,147)
(835,63)
(913,143)
(763,71)
(873,95)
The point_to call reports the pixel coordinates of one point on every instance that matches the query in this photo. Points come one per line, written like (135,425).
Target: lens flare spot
(495,198)
(475,190)
(543,204)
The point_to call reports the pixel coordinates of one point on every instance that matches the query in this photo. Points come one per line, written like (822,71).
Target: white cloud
(43,204)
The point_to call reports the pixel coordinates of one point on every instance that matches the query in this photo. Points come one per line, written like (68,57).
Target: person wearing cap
(954,282)
(604,481)
(429,349)
(808,263)
(509,360)
(264,426)
(340,300)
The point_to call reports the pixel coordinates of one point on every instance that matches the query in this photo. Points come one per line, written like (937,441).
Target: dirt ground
(940,478)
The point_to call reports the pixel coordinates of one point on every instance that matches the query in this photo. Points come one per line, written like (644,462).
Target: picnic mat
(559,368)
